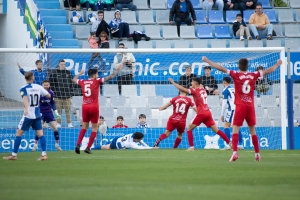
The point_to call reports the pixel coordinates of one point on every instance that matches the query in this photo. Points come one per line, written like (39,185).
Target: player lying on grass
(31,94)
(177,120)
(203,113)
(244,84)
(128,141)
(46,106)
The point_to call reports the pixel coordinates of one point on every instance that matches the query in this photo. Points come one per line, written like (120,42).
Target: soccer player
(228,100)
(31,94)
(120,123)
(244,84)
(203,113)
(177,120)
(46,106)
(90,105)
(128,141)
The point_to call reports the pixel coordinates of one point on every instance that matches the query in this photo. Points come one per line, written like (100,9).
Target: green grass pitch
(152,174)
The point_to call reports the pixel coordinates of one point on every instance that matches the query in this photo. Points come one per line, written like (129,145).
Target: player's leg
(170,127)
(36,139)
(105,147)
(112,145)
(215,129)
(251,121)
(85,126)
(59,107)
(56,134)
(227,133)
(180,131)
(190,136)
(37,126)
(93,113)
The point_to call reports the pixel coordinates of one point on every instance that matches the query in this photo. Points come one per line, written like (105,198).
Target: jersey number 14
(180,108)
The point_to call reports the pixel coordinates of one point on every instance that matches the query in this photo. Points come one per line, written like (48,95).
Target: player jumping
(228,100)
(90,105)
(244,84)
(31,94)
(203,113)
(177,120)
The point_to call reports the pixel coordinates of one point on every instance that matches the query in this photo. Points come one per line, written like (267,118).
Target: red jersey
(200,99)
(120,126)
(244,85)
(181,105)
(90,91)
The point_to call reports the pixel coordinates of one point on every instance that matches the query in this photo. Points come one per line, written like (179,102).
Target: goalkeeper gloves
(57,115)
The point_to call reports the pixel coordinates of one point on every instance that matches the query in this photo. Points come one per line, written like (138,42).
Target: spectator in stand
(262,84)
(94,45)
(209,4)
(247,4)
(90,4)
(180,12)
(186,79)
(61,83)
(209,82)
(70,3)
(100,25)
(142,123)
(120,123)
(120,4)
(108,4)
(119,28)
(39,74)
(127,72)
(259,24)
(239,28)
(231,4)
(103,44)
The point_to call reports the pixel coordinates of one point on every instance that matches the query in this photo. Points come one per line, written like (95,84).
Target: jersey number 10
(34,100)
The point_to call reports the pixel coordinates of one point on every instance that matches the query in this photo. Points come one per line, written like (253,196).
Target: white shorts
(229,116)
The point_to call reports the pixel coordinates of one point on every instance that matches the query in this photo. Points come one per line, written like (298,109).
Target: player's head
(101,120)
(260,68)
(142,118)
(207,70)
(93,73)
(137,136)
(120,120)
(29,77)
(238,17)
(196,82)
(226,81)
(243,64)
(62,64)
(39,64)
(46,84)
(181,93)
(188,70)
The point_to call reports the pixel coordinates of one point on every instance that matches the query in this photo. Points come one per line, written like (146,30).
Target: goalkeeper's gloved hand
(57,115)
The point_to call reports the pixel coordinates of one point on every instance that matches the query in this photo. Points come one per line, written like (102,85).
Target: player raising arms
(244,84)
(203,113)
(31,94)
(90,105)
(177,120)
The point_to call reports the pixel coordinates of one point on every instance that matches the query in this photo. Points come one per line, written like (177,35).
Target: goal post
(153,67)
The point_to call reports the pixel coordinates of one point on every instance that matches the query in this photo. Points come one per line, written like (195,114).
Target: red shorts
(179,125)
(90,114)
(205,118)
(242,113)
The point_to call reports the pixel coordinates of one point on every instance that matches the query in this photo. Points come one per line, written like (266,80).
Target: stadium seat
(296,89)
(147,90)
(128,44)
(236,44)
(82,32)
(196,4)
(277,122)
(137,101)
(163,44)
(273,43)
(255,43)
(222,32)
(77,102)
(129,90)
(146,17)
(204,32)
(162,17)
(141,4)
(268,101)
(285,16)
(118,102)
(216,112)
(187,32)
(201,17)
(135,28)
(166,90)
(131,123)
(146,111)
(85,44)
(218,43)
(153,123)
(103,101)
(265,4)
(110,122)
(278,30)
(169,32)
(293,44)
(110,90)
(271,15)
(70,19)
(292,30)
(112,44)
(297,112)
(126,113)
(246,15)
(158,4)
(155,101)
(181,44)
(129,17)
(263,122)
(231,15)
(107,113)
(260,112)
(295,3)
(199,43)
(145,44)
(274,112)
(110,15)
(163,122)
(153,31)
(213,100)
(276,88)
(216,17)
(170,3)
(297,15)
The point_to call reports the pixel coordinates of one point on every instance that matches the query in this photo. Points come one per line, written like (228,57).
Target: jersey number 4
(87,90)
(180,108)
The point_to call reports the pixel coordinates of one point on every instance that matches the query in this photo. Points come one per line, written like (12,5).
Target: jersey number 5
(180,109)
(87,90)
(246,87)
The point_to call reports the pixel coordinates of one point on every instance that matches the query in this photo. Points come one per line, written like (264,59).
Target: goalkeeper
(46,106)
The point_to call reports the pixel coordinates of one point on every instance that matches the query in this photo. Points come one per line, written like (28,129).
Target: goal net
(148,90)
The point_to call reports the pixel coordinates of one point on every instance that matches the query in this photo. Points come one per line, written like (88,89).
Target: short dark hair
(121,44)
(100,12)
(188,67)
(45,81)
(258,4)
(120,117)
(92,72)
(28,76)
(38,61)
(207,67)
(62,60)
(238,15)
(93,33)
(138,135)
(101,117)
(227,79)
(259,68)
(243,64)
(142,116)
(197,79)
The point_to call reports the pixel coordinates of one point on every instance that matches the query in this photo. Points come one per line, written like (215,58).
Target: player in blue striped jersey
(31,94)
(228,101)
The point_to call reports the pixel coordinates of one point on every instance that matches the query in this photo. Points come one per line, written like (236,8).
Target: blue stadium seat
(271,15)
(295,3)
(170,3)
(222,32)
(201,17)
(247,14)
(166,90)
(231,15)
(196,4)
(216,17)
(265,4)
(285,16)
(204,32)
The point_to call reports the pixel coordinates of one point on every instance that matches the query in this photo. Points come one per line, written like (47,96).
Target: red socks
(177,142)
(190,138)
(161,137)
(80,136)
(91,139)
(235,141)
(223,136)
(255,143)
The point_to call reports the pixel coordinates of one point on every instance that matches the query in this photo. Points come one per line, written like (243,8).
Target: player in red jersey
(244,84)
(90,105)
(203,113)
(177,120)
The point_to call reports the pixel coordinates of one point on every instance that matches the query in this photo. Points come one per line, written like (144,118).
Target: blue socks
(227,132)
(17,144)
(36,138)
(43,143)
(56,135)
(240,138)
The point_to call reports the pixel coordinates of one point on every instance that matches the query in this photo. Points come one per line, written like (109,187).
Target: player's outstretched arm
(273,68)
(215,65)
(112,75)
(74,80)
(179,87)
(165,106)
(21,69)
